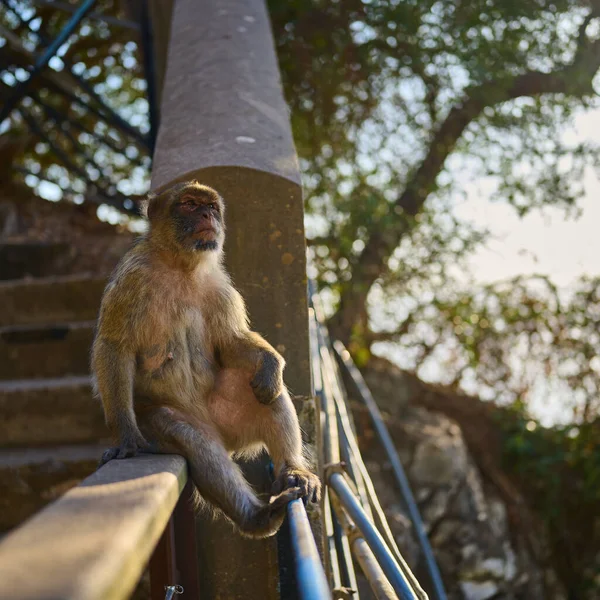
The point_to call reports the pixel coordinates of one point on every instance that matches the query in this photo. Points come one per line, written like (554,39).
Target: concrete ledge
(35,351)
(50,300)
(34,259)
(38,412)
(95,541)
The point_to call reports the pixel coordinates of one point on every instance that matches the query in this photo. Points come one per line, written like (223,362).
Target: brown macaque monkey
(178,369)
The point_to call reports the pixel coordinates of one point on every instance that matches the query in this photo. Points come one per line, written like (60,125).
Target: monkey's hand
(130,444)
(267,382)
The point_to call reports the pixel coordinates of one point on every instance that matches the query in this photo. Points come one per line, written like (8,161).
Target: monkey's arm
(251,352)
(114,369)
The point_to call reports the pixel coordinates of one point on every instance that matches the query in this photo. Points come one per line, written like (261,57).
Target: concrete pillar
(225,123)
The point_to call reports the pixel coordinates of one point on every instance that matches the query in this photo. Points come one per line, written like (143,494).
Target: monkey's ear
(147,205)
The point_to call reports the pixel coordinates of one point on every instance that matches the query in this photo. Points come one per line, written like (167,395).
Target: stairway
(52,431)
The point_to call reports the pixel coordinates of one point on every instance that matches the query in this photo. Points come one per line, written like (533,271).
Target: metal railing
(310,575)
(399,474)
(358,524)
(78,92)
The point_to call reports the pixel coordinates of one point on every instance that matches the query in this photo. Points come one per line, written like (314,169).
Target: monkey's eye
(212,206)
(188,205)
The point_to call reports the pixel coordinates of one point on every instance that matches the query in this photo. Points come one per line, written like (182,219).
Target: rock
(478,555)
(478,591)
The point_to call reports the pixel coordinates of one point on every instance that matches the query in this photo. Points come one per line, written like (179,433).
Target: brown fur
(173,334)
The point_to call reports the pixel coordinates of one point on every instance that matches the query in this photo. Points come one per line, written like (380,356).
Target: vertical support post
(184,530)
(173,561)
(225,123)
(162,564)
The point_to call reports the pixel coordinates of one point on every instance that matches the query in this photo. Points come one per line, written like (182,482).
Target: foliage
(518,339)
(396,106)
(73,147)
(559,467)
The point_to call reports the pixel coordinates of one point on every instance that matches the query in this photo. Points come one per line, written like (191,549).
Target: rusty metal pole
(224,122)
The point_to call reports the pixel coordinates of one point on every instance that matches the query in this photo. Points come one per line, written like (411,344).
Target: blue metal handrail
(310,576)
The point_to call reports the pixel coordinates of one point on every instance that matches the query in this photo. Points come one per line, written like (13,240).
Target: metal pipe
(76,123)
(109,114)
(400,475)
(380,517)
(332,559)
(379,583)
(348,576)
(381,587)
(377,544)
(310,576)
(346,435)
(126,23)
(330,534)
(332,445)
(148,56)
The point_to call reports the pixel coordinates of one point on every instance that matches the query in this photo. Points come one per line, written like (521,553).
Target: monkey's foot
(307,482)
(125,451)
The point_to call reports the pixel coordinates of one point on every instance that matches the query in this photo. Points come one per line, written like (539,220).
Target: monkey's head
(190,215)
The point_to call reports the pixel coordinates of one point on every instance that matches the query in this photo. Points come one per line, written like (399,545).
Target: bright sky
(541,242)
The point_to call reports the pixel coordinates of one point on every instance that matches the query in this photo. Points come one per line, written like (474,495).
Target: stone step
(36,351)
(42,412)
(50,300)
(35,259)
(31,478)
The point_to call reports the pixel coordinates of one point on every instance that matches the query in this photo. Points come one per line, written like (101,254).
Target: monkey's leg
(218,479)
(243,423)
(281,434)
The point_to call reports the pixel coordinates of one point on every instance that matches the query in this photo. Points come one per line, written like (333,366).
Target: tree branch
(574,79)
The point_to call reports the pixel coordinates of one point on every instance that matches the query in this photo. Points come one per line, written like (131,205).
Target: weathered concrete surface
(50,300)
(225,123)
(222,101)
(41,351)
(94,543)
(31,478)
(38,412)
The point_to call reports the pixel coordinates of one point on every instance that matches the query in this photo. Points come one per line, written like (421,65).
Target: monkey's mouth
(205,231)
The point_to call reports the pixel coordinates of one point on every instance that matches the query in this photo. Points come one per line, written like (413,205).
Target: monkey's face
(197,214)
(188,214)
